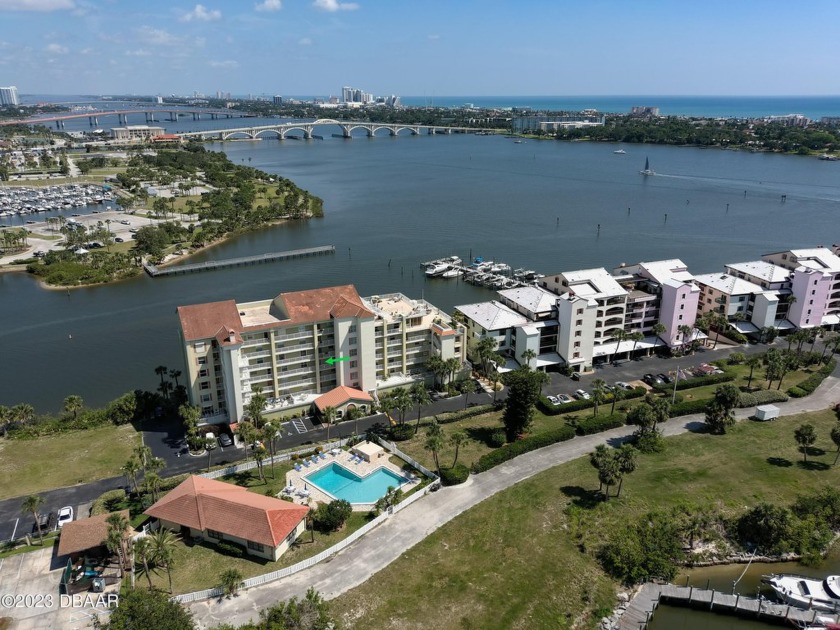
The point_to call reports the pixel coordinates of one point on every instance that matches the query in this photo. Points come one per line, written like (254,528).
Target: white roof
(493,315)
(533,299)
(830,320)
(664,270)
(729,285)
(762,269)
(818,258)
(593,283)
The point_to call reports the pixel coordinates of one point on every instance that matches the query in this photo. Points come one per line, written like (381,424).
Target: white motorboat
(452,272)
(620,152)
(452,260)
(436,269)
(806,592)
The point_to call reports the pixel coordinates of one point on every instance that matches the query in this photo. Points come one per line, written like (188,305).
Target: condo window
(352,328)
(202,373)
(212,533)
(202,361)
(353,341)
(353,352)
(354,376)
(682,307)
(811,302)
(577,344)
(256,546)
(578,333)
(200,346)
(579,322)
(576,355)
(580,311)
(813,291)
(354,364)
(206,398)
(680,318)
(205,385)
(207,410)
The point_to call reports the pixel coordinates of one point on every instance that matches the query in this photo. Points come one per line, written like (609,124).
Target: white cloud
(226,65)
(57,49)
(305,41)
(42,6)
(269,5)
(140,52)
(433,37)
(157,36)
(331,6)
(202,14)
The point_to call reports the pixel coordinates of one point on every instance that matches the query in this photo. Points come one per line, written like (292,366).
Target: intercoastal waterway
(391,203)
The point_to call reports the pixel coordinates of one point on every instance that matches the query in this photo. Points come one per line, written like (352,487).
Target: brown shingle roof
(208,504)
(205,321)
(341,395)
(87,533)
(318,305)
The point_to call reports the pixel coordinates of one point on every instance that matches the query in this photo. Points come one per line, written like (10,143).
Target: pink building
(812,289)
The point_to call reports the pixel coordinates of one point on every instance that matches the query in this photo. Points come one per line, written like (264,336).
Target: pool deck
(316,496)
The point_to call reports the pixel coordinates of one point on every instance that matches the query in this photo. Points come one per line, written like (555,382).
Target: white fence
(393,448)
(211,593)
(281,457)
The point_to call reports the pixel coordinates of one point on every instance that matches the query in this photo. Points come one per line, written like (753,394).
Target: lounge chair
(358,461)
(323,456)
(298,467)
(306,463)
(303,493)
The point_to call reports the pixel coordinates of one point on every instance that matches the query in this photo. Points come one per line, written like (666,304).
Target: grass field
(525,558)
(55,461)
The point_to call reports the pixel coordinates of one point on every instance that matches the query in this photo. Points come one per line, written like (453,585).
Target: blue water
(342,483)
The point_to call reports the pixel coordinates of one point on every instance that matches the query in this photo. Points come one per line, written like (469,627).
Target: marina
(25,200)
(480,272)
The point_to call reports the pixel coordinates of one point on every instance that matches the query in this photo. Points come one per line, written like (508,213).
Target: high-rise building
(9,96)
(278,100)
(303,345)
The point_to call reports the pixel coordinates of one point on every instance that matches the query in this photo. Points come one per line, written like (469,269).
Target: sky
(420,47)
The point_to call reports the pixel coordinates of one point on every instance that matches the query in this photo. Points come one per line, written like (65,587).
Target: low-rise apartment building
(282,346)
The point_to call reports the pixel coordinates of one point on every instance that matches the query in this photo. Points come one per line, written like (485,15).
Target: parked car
(575,376)
(581,394)
(553,400)
(47,522)
(564,399)
(652,379)
(225,440)
(65,515)
(210,439)
(665,378)
(119,240)
(624,386)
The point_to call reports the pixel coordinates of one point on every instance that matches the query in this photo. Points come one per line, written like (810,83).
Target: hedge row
(106,502)
(467,413)
(688,407)
(699,381)
(532,443)
(548,409)
(811,383)
(230,548)
(455,475)
(761,397)
(597,424)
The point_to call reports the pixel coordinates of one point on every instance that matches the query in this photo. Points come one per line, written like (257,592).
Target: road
(166,441)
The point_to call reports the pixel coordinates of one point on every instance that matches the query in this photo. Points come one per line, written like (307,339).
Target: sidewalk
(381,547)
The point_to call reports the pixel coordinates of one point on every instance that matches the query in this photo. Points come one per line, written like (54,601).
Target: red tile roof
(205,321)
(341,395)
(318,305)
(85,534)
(208,504)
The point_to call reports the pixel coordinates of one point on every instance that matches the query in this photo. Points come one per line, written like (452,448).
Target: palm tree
(619,336)
(144,455)
(434,442)
(527,356)
(626,459)
(828,338)
(130,470)
(175,375)
(161,371)
(163,544)
(420,397)
(805,436)
(752,361)
(598,393)
(452,366)
(814,333)
(152,482)
(328,417)
(269,435)
(495,377)
(660,408)
(143,552)
(116,539)
(23,413)
(402,402)
(457,439)
(635,337)
(436,366)
(608,474)
(835,437)
(31,505)
(259,457)
(247,433)
(230,581)
(484,349)
(686,332)
(617,394)
(72,404)
(256,406)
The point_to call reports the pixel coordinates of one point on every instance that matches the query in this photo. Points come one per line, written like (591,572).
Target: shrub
(497,438)
(532,443)
(761,397)
(648,441)
(688,407)
(811,383)
(736,358)
(746,400)
(231,549)
(649,548)
(107,502)
(328,517)
(467,413)
(455,475)
(797,392)
(588,426)
(402,432)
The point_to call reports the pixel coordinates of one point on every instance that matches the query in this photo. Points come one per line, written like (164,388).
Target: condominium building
(136,132)
(9,96)
(282,346)
(748,306)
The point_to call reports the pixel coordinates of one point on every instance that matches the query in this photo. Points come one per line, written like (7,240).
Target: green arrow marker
(333,360)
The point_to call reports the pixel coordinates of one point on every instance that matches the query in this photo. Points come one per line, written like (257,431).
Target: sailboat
(647,171)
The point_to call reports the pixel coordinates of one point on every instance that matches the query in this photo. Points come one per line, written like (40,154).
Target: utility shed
(766,412)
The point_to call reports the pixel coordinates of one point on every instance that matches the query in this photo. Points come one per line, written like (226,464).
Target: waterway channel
(391,203)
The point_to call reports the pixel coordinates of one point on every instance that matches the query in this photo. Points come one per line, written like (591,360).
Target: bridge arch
(396,130)
(238,135)
(349,129)
(276,132)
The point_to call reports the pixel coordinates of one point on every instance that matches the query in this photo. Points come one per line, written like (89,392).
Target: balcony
(299,335)
(261,354)
(614,321)
(616,310)
(305,359)
(254,342)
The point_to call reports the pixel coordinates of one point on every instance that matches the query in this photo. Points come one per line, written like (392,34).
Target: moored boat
(806,592)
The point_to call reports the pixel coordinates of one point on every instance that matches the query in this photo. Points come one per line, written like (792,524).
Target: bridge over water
(122,116)
(347,127)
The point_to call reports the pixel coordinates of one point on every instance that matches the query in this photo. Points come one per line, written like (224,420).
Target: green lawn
(54,461)
(525,558)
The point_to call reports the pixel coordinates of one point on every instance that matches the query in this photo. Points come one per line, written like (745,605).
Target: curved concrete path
(406,528)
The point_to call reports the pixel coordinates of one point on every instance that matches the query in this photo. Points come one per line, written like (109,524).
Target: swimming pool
(338,481)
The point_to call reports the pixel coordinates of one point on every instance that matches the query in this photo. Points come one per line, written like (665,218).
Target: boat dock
(259,259)
(492,275)
(640,610)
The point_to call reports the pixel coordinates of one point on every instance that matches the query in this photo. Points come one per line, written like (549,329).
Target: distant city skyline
(306,47)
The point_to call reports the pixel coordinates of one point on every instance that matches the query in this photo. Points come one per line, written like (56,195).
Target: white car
(581,394)
(65,515)
(623,385)
(553,400)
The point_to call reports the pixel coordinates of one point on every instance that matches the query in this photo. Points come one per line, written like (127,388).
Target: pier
(640,610)
(259,259)
(493,275)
